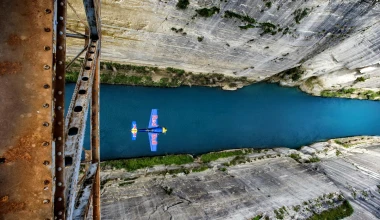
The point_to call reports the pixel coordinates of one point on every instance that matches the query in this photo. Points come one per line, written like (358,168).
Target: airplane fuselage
(152,130)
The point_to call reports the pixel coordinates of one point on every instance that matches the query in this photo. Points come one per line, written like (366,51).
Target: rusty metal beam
(95,139)
(84,195)
(92,18)
(76,123)
(59,108)
(76,57)
(26,80)
(79,36)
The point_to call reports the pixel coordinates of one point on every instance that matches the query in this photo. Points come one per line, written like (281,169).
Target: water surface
(201,119)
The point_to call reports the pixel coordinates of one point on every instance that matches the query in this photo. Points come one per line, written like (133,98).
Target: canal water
(202,119)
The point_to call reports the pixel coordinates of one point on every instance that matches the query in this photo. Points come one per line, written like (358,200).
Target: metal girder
(26,82)
(92,13)
(76,124)
(84,195)
(59,108)
(95,139)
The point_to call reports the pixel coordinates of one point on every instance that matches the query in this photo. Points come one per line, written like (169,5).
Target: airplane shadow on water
(202,119)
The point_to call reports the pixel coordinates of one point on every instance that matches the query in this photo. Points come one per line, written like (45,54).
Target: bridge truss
(40,149)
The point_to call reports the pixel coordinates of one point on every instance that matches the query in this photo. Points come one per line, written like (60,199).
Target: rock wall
(338,41)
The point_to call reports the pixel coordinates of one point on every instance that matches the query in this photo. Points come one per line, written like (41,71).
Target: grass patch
(339,212)
(257,217)
(337,153)
(299,14)
(268,4)
(182,4)
(200,169)
(295,156)
(200,38)
(342,143)
(360,79)
(216,155)
(138,163)
(244,18)
(313,160)
(207,12)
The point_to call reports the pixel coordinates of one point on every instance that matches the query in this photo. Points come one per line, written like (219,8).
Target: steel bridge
(40,149)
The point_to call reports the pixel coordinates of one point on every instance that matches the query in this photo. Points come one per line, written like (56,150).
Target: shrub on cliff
(182,4)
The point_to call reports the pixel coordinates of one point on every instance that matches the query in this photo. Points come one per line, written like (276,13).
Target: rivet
(59,92)
(46,86)
(47,11)
(61,3)
(46,67)
(59,123)
(59,153)
(59,213)
(60,62)
(61,18)
(60,47)
(60,33)
(46,163)
(45,144)
(59,168)
(59,77)
(45,124)
(46,182)
(59,199)
(46,188)
(47,29)
(46,201)
(59,107)
(46,105)
(59,138)
(59,184)
(46,48)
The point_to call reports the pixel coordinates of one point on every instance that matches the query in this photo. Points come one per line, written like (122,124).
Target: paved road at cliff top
(201,119)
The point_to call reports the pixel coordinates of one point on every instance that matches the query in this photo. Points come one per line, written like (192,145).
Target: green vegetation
(294,73)
(337,153)
(346,93)
(342,143)
(313,160)
(238,160)
(216,155)
(115,73)
(295,156)
(311,81)
(296,208)
(200,169)
(207,12)
(299,14)
(138,163)
(257,217)
(360,79)
(244,18)
(268,4)
(339,212)
(182,4)
(200,38)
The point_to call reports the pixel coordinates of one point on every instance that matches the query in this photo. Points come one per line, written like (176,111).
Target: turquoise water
(201,119)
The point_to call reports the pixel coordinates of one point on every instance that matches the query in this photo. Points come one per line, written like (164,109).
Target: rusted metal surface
(26,71)
(95,139)
(84,195)
(76,123)
(92,13)
(59,107)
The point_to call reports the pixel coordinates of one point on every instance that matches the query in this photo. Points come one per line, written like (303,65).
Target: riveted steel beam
(91,7)
(26,109)
(84,195)
(76,123)
(59,108)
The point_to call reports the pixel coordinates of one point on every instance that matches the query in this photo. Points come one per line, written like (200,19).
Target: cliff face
(337,41)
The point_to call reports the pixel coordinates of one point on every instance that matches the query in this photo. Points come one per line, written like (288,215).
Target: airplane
(153,130)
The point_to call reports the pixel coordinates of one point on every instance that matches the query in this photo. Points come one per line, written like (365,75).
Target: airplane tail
(134,130)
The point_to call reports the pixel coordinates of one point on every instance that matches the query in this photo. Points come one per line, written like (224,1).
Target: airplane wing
(153,141)
(153,122)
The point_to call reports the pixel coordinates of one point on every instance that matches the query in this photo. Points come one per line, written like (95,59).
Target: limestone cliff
(337,42)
